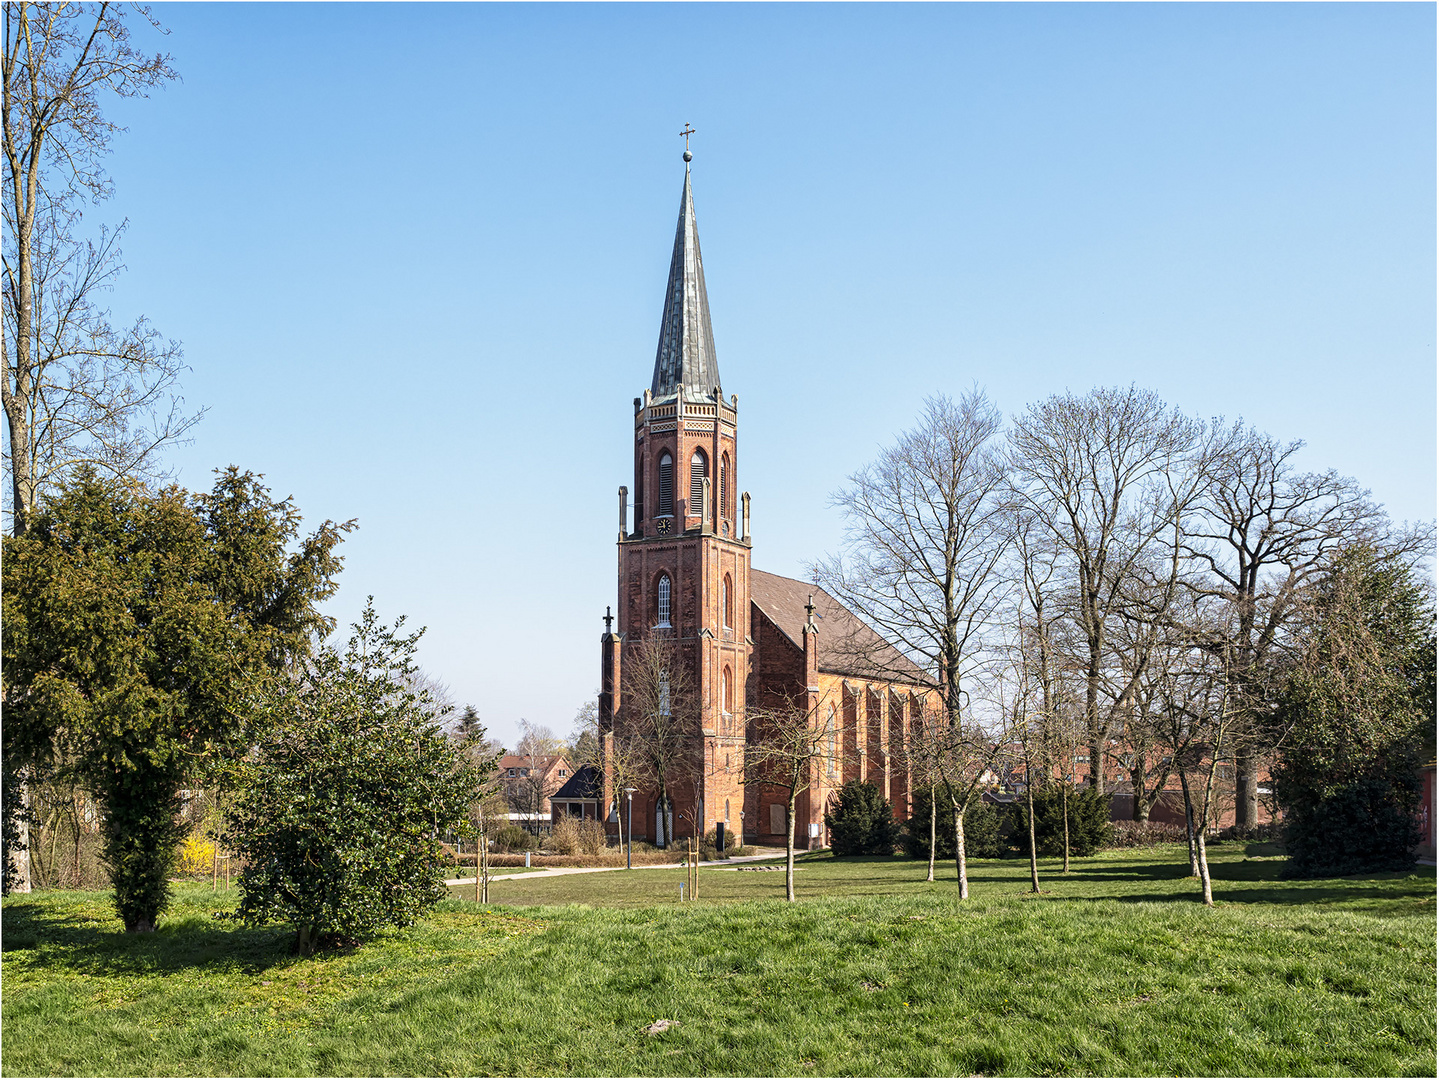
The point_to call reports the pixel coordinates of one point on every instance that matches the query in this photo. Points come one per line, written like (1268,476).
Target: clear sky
(416,255)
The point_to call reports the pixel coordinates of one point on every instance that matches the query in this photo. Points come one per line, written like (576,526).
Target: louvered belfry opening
(724,488)
(698,472)
(666,504)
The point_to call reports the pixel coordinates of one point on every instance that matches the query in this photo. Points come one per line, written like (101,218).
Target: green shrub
(513,838)
(1089,826)
(709,846)
(339,808)
(861,822)
(1364,826)
(984,829)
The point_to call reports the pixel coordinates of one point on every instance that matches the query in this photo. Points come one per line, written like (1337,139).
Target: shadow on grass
(181,943)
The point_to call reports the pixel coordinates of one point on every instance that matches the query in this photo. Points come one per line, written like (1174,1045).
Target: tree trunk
(306,939)
(1064,805)
(1189,824)
(933,833)
(1246,790)
(1033,849)
(959,854)
(1204,870)
(789,851)
(1143,800)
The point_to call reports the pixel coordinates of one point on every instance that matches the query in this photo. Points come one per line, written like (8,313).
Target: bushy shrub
(1364,826)
(197,854)
(1138,834)
(861,822)
(1089,826)
(571,836)
(709,846)
(339,808)
(513,838)
(984,828)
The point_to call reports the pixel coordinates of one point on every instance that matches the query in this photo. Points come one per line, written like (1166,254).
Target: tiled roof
(847,645)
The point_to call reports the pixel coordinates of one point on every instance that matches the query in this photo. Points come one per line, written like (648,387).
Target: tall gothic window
(666,503)
(724,487)
(726,607)
(726,692)
(662,601)
(698,472)
(833,741)
(664,693)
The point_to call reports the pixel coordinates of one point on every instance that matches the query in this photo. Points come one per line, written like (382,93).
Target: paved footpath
(556,871)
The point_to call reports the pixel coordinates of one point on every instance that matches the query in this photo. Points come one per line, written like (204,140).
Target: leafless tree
(787,748)
(962,757)
(926,530)
(1109,476)
(1264,533)
(660,727)
(76,389)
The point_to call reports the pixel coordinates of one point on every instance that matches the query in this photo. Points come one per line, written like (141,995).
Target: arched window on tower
(724,488)
(664,701)
(726,691)
(698,472)
(666,504)
(726,605)
(833,745)
(662,601)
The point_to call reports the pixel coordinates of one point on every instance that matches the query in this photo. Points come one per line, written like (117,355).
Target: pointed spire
(686,354)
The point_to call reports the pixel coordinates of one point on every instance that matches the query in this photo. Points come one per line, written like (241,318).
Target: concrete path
(556,871)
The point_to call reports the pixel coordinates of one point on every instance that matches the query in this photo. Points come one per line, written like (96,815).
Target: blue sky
(416,255)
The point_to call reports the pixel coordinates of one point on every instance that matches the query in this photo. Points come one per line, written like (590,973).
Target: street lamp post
(629,826)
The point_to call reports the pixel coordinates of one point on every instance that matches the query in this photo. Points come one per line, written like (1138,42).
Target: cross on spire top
(687,132)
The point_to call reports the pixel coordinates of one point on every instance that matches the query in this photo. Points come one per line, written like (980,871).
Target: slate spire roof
(686,354)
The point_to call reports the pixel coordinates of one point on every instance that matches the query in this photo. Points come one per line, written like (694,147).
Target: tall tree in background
(1361,704)
(1107,475)
(925,531)
(1265,532)
(76,389)
(139,628)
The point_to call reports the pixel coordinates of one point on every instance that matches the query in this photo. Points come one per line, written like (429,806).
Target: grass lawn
(1115,969)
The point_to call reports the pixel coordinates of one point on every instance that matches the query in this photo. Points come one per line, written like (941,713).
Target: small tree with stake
(789,744)
(341,807)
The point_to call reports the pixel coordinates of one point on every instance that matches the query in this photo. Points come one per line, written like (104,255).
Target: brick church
(739,638)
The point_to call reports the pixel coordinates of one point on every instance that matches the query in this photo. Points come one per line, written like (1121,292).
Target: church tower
(684,562)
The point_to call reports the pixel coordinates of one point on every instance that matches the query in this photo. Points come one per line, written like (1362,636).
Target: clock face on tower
(663,526)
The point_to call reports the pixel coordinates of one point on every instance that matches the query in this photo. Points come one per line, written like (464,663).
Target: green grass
(1113,970)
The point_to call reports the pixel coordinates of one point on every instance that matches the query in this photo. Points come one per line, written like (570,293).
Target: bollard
(527,860)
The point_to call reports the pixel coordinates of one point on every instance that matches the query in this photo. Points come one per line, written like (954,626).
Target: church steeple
(686,354)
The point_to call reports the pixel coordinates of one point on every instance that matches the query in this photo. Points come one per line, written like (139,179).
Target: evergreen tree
(1089,825)
(138,629)
(1359,706)
(861,822)
(342,805)
(983,828)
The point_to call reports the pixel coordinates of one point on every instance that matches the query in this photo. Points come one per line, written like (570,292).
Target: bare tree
(963,756)
(539,746)
(660,729)
(787,747)
(1109,477)
(1265,532)
(76,390)
(926,530)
